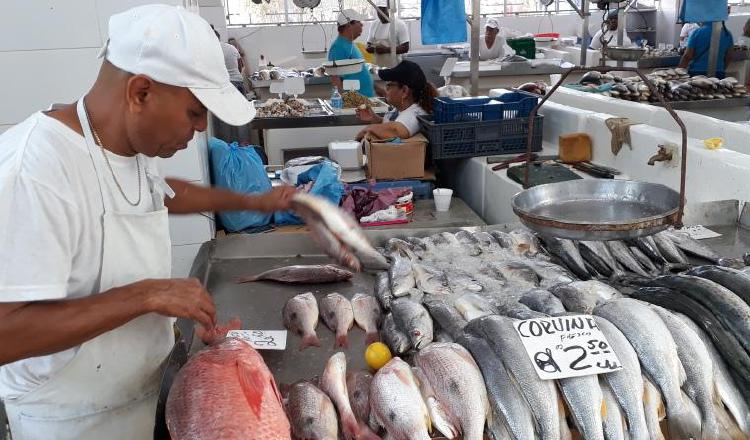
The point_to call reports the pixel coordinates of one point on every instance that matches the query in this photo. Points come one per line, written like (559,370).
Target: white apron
(109,389)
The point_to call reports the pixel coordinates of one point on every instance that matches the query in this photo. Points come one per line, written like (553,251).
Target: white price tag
(277,87)
(567,346)
(261,339)
(351,84)
(699,232)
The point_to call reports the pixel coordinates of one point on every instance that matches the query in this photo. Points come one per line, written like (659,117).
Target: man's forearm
(44,327)
(190,198)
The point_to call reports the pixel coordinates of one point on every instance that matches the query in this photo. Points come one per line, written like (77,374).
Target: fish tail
(342,340)
(365,433)
(371,337)
(350,426)
(710,429)
(310,340)
(683,423)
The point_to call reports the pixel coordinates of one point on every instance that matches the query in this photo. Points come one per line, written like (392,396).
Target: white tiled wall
(48,54)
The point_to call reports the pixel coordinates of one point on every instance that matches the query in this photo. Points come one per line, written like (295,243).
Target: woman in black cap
(410,95)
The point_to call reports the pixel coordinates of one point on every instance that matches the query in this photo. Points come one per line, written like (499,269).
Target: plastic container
(480,138)
(525,47)
(442,198)
(337,102)
(420,188)
(574,147)
(348,154)
(516,104)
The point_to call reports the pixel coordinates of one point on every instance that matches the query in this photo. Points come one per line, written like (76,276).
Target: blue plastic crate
(421,189)
(517,104)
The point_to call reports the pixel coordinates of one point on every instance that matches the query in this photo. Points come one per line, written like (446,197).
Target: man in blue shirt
(695,58)
(350,27)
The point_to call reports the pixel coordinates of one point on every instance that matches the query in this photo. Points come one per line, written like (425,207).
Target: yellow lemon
(713,143)
(377,355)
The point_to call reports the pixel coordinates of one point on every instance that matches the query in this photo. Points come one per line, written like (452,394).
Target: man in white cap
(350,28)
(610,34)
(378,41)
(491,44)
(86,301)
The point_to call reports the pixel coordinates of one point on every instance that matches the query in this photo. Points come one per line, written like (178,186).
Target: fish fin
(683,423)
(728,423)
(311,340)
(372,337)
(252,382)
(342,340)
(350,426)
(604,409)
(365,433)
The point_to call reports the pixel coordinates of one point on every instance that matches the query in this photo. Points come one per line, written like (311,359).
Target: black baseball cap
(407,72)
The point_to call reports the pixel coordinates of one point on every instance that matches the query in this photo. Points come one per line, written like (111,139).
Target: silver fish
(394,338)
(622,253)
(446,316)
(603,252)
(518,272)
(458,386)
(658,356)
(614,421)
(401,274)
(567,251)
(648,246)
(725,384)
(382,289)
(699,370)
(668,249)
(396,402)
(430,279)
(584,296)
(311,413)
(358,387)
(644,260)
(469,243)
(300,316)
(503,239)
(541,395)
(413,320)
(550,274)
(439,416)
(584,397)
(396,245)
(525,243)
(511,308)
(595,262)
(333,383)
(301,274)
(367,315)
(626,384)
(487,242)
(460,281)
(338,316)
(506,399)
(692,246)
(653,408)
(543,301)
(337,231)
(472,306)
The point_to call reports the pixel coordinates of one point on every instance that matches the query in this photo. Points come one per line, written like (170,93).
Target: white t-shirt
(408,117)
(380,34)
(50,218)
(231,55)
(490,53)
(685,32)
(743,41)
(596,44)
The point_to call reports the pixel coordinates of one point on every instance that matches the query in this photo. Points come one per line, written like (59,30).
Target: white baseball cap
(492,23)
(173,46)
(349,15)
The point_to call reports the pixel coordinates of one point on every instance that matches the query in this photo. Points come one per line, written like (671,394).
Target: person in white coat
(491,44)
(87,305)
(610,35)
(379,42)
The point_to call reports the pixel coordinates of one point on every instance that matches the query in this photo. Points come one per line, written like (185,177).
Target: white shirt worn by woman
(407,117)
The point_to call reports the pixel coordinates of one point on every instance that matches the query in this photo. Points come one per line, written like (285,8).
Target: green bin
(525,47)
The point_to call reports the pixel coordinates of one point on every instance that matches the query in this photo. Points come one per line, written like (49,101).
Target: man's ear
(137,92)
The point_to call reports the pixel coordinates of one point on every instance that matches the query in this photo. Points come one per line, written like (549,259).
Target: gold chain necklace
(109,165)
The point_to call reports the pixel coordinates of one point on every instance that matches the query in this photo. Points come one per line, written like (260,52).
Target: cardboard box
(387,160)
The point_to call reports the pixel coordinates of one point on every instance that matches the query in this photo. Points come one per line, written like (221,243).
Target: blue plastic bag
(443,21)
(239,169)
(327,185)
(701,11)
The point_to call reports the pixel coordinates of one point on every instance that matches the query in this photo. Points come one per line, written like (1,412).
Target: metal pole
(620,30)
(584,31)
(392,32)
(713,49)
(474,65)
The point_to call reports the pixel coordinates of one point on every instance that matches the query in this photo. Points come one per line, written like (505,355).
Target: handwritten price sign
(261,339)
(567,346)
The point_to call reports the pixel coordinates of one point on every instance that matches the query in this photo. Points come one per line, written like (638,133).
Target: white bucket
(442,198)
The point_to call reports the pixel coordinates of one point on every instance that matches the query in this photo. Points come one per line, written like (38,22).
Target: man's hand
(362,133)
(275,200)
(370,48)
(178,298)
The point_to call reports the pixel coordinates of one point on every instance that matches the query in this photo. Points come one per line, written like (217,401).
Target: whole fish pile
(673,84)
(682,333)
(301,312)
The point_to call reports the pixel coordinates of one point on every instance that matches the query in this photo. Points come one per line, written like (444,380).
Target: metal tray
(597,209)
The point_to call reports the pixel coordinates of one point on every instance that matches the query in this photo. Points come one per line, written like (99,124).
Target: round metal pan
(597,209)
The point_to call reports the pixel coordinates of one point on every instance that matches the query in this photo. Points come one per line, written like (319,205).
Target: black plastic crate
(480,138)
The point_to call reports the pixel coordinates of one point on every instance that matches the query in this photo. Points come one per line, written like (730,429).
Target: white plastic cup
(442,197)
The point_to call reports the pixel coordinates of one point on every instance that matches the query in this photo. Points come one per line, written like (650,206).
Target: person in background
(378,41)
(408,91)
(233,63)
(242,61)
(744,40)
(611,33)
(491,44)
(687,29)
(350,28)
(695,58)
